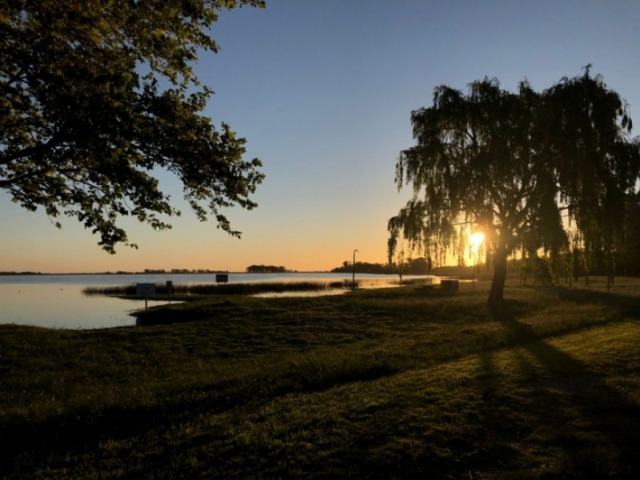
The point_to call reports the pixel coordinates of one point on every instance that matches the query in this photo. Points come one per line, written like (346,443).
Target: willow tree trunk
(496,294)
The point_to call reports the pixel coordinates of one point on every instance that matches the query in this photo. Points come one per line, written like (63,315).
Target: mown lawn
(392,383)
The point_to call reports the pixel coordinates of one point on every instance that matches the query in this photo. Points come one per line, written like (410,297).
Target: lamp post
(475,261)
(353,278)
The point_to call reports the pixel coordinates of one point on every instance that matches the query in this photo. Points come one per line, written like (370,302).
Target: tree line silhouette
(266,269)
(415,266)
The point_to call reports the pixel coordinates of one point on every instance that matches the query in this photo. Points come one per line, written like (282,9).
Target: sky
(323,91)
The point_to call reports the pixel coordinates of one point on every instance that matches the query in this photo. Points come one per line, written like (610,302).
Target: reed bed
(223,288)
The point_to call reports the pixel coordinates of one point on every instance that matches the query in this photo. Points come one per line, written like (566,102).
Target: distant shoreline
(155,272)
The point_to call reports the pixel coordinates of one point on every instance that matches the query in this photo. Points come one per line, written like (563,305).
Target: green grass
(390,383)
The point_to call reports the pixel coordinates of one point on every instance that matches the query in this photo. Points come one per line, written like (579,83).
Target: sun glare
(476,239)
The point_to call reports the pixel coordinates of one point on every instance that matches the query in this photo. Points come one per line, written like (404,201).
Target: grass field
(390,383)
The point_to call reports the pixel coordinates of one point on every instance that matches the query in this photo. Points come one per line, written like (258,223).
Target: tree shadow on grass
(628,306)
(570,418)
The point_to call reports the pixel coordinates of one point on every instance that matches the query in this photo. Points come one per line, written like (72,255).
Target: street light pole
(475,262)
(353,278)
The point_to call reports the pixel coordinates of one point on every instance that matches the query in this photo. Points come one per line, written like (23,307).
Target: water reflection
(64,306)
(312,293)
(57,301)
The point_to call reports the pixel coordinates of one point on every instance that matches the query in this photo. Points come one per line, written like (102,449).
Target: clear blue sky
(322,90)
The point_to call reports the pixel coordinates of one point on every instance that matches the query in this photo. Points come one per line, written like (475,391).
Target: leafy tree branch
(84,121)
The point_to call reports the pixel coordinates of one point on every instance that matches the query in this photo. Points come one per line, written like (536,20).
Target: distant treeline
(416,266)
(20,273)
(124,272)
(266,269)
(182,270)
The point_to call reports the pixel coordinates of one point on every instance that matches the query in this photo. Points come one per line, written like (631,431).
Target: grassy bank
(391,383)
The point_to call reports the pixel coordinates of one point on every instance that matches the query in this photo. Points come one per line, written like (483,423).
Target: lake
(57,301)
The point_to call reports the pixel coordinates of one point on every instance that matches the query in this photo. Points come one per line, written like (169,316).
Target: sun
(476,240)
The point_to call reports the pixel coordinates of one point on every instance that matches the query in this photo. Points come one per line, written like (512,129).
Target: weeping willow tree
(597,161)
(514,164)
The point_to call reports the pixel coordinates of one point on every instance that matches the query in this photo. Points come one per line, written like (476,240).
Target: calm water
(56,301)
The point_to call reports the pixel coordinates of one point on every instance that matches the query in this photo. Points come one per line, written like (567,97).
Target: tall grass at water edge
(392,383)
(255,288)
(223,288)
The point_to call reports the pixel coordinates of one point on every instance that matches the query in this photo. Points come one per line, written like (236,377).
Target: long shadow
(568,390)
(79,430)
(628,306)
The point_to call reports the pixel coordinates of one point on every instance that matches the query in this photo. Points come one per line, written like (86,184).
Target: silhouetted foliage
(511,163)
(415,266)
(365,267)
(625,255)
(629,251)
(266,269)
(95,96)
